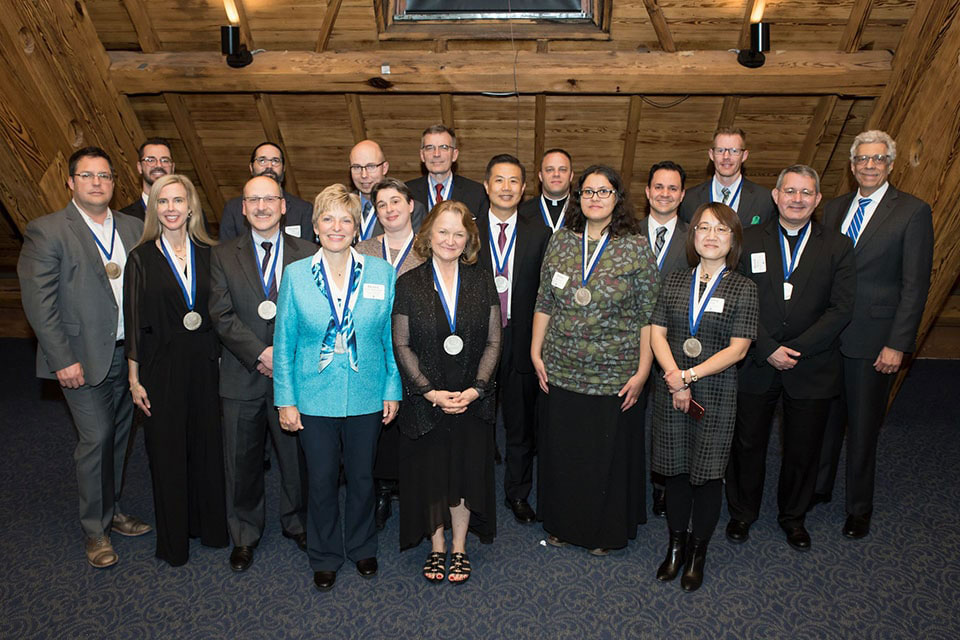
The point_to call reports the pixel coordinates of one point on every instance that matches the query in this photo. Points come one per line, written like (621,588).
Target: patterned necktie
(267,246)
(439,188)
(853,231)
(658,243)
(364,218)
(502,242)
(726,194)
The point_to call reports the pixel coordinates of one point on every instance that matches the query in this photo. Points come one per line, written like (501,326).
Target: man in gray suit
(892,233)
(244,280)
(753,203)
(71,284)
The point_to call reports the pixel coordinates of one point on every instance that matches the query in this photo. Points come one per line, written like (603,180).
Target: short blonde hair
(337,196)
(195,228)
(422,242)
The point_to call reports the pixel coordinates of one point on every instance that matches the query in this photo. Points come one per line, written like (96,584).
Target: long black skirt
(451,462)
(593,469)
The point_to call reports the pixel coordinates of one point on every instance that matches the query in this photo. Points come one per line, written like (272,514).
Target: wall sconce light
(237,54)
(759,39)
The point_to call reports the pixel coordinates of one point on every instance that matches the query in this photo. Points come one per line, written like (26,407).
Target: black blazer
(821,305)
(136,209)
(235,294)
(894,255)
(299,213)
(530,245)
(463,190)
(754,201)
(530,209)
(676,257)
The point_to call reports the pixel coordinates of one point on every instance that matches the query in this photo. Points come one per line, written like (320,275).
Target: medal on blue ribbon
(545,212)
(736,194)
(452,344)
(268,308)
(366,226)
(191,320)
(401,255)
(582,295)
(691,346)
(500,262)
(340,345)
(112,268)
(790,262)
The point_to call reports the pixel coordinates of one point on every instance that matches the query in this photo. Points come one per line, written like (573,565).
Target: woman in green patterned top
(591,352)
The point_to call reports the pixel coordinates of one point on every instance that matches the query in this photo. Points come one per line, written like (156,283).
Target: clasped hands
(678,389)
(452,402)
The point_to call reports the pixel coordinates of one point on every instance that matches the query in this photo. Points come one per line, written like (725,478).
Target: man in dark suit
(512,248)
(245,277)
(667,235)
(751,201)
(892,232)
(438,152)
(556,176)
(368,166)
(155,161)
(71,275)
(806,282)
(267,159)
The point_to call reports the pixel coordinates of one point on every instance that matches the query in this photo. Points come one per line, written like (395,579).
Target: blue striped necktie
(853,231)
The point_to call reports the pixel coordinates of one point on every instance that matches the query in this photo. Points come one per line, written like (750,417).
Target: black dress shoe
(676,554)
(659,503)
(522,510)
(382,510)
(798,538)
(692,576)
(819,498)
(856,527)
(241,558)
(367,567)
(738,531)
(299,538)
(324,580)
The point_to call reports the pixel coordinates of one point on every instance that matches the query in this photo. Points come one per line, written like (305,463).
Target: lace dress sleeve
(407,361)
(487,369)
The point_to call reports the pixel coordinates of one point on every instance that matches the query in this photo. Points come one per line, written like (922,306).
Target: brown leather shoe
(127,525)
(100,553)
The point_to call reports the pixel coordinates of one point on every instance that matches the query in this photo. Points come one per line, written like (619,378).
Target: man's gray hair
(874,136)
(803,170)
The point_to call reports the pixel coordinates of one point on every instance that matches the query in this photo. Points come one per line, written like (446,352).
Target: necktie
(439,188)
(658,243)
(267,246)
(853,231)
(726,194)
(364,218)
(502,242)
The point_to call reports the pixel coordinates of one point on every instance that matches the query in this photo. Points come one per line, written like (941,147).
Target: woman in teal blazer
(335,380)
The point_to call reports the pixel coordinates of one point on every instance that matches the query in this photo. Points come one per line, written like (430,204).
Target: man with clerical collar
(892,232)
(267,159)
(512,248)
(806,281)
(155,161)
(368,166)
(556,176)
(439,152)
(245,276)
(728,185)
(71,283)
(667,235)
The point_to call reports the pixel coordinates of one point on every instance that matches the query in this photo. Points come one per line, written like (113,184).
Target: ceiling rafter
(660,26)
(326,28)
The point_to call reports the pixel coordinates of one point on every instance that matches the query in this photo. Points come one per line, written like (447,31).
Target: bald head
(368,166)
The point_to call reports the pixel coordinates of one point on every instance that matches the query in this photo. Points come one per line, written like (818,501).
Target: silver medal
(501,283)
(453,344)
(267,310)
(582,296)
(692,347)
(192,321)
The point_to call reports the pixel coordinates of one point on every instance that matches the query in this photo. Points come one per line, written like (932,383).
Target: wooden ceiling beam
(660,26)
(357,125)
(630,139)
(539,128)
(446,110)
(326,28)
(149,41)
(864,73)
(198,156)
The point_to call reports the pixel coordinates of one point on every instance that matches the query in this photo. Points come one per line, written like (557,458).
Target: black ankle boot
(693,571)
(676,553)
(381,511)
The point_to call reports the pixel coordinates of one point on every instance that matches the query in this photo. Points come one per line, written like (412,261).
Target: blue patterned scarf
(346,330)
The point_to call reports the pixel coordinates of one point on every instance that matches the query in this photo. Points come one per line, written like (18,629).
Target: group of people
(435,308)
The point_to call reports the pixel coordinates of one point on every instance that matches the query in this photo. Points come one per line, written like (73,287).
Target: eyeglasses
(705,229)
(264,161)
(88,176)
(602,193)
(369,168)
(790,192)
(733,151)
(878,159)
(253,201)
(151,160)
(430,148)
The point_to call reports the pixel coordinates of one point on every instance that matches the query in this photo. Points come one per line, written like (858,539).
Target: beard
(269,171)
(153,175)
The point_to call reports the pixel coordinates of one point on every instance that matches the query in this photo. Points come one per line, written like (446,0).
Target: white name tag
(715,305)
(374,291)
(293,230)
(559,280)
(787,290)
(758,262)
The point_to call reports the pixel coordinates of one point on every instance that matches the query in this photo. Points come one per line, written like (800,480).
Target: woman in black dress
(703,324)
(446,336)
(172,351)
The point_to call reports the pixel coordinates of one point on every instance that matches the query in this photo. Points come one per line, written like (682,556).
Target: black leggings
(703,501)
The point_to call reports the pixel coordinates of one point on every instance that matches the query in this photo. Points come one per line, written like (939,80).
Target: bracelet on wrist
(693,375)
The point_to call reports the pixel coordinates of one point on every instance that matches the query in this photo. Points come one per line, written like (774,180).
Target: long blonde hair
(151,221)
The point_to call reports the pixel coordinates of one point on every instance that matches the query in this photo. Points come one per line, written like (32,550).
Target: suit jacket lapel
(808,262)
(246,256)
(771,247)
(90,250)
(881,213)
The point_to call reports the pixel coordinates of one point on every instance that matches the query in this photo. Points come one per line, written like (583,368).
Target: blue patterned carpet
(901,582)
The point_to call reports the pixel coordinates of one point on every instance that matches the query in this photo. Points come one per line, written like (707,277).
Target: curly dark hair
(624,221)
